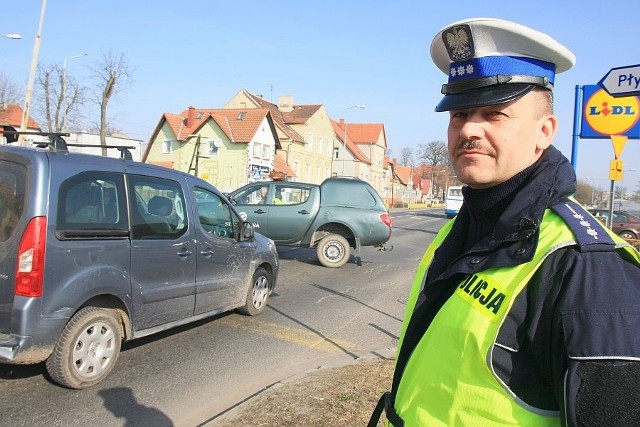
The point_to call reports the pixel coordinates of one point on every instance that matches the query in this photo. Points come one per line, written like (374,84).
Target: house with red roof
(11,119)
(226,147)
(371,140)
(304,132)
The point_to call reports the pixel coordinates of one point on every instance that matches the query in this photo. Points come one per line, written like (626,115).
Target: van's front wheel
(87,349)
(333,251)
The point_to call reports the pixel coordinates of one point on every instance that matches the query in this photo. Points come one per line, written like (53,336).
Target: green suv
(334,217)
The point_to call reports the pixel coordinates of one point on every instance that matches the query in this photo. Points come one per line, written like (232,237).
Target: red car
(625,224)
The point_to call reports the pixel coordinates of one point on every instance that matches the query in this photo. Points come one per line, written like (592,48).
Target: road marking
(296,335)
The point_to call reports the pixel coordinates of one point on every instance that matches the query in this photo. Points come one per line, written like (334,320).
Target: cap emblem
(459,43)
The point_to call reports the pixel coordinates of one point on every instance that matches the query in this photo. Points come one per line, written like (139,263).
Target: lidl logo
(605,115)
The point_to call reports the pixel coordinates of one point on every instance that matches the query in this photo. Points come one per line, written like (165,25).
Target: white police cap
(492,61)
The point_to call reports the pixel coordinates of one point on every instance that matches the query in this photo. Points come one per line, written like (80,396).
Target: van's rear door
(13,182)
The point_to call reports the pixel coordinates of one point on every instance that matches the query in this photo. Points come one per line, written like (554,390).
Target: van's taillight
(386,218)
(30,267)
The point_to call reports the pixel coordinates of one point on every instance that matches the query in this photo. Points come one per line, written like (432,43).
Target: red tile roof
(355,150)
(278,117)
(365,133)
(403,173)
(239,125)
(280,165)
(11,115)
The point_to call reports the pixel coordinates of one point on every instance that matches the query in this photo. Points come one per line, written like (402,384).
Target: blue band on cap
(487,66)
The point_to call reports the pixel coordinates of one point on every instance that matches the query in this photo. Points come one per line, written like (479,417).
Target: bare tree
(112,75)
(59,98)
(10,91)
(433,153)
(406,157)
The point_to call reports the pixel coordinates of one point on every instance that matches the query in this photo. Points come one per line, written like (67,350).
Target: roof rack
(57,142)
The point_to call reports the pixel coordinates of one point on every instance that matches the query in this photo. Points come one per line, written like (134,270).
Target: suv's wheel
(87,349)
(627,235)
(333,251)
(258,293)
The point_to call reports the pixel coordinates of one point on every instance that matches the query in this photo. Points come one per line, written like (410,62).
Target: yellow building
(226,147)
(305,134)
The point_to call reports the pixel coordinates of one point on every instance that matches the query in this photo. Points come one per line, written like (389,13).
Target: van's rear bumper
(20,350)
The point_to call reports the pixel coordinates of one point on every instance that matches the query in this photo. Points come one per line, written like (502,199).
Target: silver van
(97,250)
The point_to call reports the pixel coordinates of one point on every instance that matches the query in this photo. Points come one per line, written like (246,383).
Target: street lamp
(622,184)
(344,141)
(593,189)
(32,74)
(12,36)
(63,87)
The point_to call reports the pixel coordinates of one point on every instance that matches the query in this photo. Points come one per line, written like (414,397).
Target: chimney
(191,116)
(285,103)
(342,123)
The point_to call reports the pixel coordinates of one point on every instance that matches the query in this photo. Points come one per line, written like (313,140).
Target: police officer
(525,310)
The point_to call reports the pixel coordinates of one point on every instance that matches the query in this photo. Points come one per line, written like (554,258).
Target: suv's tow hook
(384,248)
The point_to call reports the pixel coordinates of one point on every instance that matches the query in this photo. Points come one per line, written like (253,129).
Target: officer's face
(488,145)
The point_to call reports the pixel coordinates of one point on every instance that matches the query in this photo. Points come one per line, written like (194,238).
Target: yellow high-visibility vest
(448,379)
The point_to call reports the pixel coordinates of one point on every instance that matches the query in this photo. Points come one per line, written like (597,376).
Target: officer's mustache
(472,144)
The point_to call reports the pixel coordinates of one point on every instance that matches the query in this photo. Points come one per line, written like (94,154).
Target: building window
(166,147)
(310,142)
(213,147)
(320,144)
(266,152)
(257,150)
(336,153)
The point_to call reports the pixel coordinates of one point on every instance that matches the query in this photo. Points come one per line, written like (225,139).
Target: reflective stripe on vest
(449,380)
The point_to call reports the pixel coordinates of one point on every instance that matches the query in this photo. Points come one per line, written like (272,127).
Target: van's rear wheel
(333,251)
(87,349)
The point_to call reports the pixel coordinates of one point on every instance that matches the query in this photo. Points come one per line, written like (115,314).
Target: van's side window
(92,201)
(215,216)
(158,209)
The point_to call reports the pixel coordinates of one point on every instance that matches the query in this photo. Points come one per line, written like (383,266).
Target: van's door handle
(259,211)
(207,252)
(304,212)
(184,252)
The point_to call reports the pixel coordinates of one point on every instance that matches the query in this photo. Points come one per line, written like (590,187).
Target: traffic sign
(616,168)
(622,81)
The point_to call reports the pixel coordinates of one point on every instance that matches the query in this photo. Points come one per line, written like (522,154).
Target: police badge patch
(459,43)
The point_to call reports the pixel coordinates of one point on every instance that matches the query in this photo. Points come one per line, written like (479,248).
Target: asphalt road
(192,375)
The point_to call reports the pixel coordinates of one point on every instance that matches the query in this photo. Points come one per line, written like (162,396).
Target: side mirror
(247,232)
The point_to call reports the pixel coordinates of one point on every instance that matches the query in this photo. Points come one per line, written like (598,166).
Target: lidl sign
(605,115)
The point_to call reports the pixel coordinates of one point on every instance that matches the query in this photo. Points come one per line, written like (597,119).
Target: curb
(303,369)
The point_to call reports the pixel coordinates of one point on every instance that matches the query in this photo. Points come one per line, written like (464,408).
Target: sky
(338,53)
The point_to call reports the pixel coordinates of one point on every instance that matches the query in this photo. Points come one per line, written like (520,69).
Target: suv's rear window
(12,189)
(347,194)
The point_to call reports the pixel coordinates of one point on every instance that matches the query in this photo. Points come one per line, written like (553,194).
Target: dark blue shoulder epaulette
(590,233)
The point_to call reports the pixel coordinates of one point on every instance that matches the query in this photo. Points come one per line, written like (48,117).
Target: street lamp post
(32,74)
(63,88)
(344,141)
(593,189)
(622,183)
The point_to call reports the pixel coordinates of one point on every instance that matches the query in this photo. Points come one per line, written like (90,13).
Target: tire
(87,349)
(627,235)
(333,251)
(258,293)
